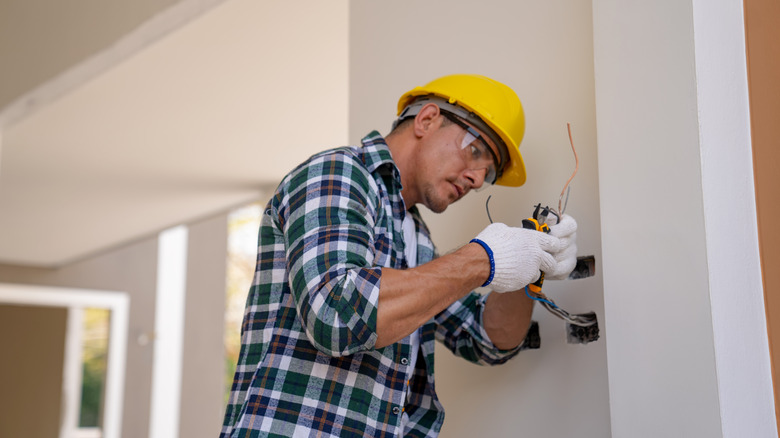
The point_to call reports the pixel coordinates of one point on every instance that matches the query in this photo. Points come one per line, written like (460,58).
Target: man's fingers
(550,243)
(566,260)
(548,263)
(566,227)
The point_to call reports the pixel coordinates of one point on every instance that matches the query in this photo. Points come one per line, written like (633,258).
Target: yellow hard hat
(495,104)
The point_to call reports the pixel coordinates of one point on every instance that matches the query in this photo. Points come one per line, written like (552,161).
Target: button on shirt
(308,365)
(410,252)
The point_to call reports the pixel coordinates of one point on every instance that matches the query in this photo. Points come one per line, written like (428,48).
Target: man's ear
(427,119)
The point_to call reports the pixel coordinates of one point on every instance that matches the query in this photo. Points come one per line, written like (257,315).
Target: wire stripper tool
(581,328)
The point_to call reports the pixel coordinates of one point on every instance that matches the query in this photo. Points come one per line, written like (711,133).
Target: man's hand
(517,255)
(566,255)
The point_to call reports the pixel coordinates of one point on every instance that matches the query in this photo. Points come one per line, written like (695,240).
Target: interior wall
(31,370)
(203,361)
(687,355)
(763,51)
(131,269)
(738,320)
(661,353)
(543,50)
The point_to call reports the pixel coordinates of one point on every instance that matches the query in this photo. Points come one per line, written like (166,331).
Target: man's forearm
(409,298)
(507,317)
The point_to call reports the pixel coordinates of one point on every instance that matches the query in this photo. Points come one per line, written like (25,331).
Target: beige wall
(131,269)
(544,51)
(202,401)
(32,340)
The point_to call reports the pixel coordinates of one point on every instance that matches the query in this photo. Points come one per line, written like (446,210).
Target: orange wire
(577,166)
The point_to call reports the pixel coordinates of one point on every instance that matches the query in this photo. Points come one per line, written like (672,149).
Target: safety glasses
(475,150)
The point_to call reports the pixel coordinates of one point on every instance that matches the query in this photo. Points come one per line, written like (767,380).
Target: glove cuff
(492,260)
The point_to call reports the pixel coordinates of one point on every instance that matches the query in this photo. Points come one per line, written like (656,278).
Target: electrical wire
(576,167)
(488,208)
(584,320)
(579,320)
(540,299)
(566,188)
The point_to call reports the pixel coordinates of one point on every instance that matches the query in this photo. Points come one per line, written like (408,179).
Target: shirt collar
(377,155)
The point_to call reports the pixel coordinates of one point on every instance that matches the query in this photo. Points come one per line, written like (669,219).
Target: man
(347,300)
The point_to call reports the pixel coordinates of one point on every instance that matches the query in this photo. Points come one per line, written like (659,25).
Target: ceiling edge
(74,77)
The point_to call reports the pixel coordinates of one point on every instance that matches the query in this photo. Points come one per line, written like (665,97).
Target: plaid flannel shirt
(307,365)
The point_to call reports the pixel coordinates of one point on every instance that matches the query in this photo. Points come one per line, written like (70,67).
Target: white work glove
(566,255)
(517,255)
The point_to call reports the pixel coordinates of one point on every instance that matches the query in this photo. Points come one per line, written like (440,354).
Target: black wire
(488,208)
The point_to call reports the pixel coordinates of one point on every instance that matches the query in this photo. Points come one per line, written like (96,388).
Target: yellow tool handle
(533,224)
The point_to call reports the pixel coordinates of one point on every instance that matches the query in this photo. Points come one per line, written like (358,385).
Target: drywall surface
(202,400)
(661,355)
(543,50)
(736,291)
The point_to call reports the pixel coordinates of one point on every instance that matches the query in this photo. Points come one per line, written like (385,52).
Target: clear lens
(468,139)
(476,152)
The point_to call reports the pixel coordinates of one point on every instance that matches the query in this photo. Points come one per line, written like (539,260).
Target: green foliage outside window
(94,358)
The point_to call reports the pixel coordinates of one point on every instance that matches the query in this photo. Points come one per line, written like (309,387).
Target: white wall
(687,348)
(661,354)
(543,50)
(739,319)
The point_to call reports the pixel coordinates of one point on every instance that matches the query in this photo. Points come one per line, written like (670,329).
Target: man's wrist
(479,263)
(490,258)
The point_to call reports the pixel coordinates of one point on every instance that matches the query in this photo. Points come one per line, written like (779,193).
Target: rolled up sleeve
(329,239)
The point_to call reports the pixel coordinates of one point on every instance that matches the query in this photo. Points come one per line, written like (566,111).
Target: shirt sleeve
(459,327)
(328,230)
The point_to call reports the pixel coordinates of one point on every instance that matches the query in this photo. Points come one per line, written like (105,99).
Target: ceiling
(194,124)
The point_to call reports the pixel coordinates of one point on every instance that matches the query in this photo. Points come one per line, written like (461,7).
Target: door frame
(75,300)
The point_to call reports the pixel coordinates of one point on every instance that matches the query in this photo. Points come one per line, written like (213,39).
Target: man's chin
(439,206)
(436,206)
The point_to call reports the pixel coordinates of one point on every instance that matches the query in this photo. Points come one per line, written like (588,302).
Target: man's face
(452,162)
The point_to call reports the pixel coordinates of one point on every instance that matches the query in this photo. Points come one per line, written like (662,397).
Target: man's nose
(475,177)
